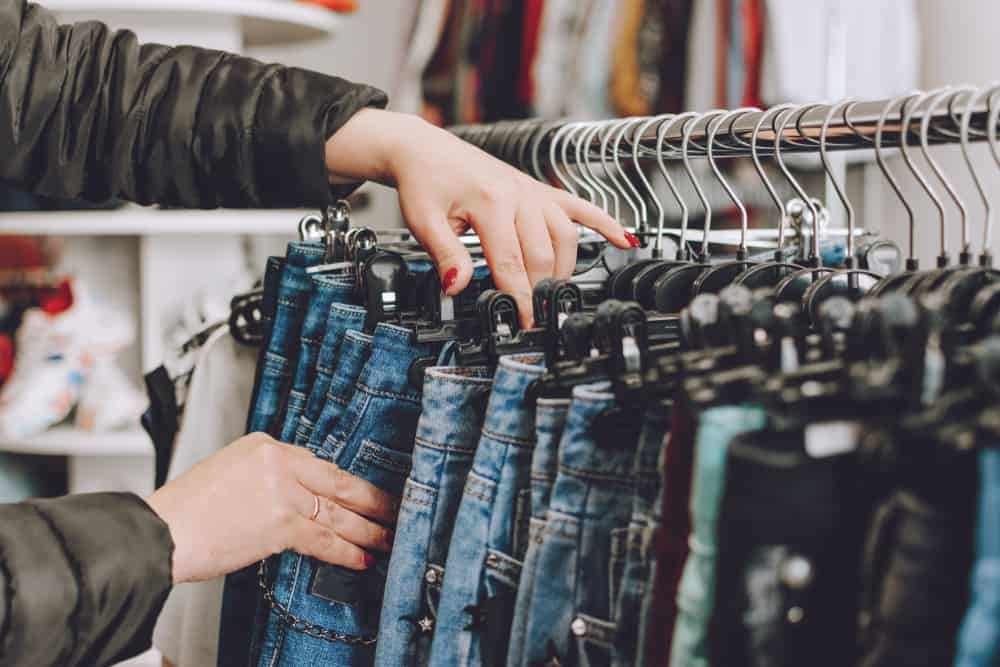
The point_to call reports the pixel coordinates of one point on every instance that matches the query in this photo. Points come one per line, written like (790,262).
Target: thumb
(452,259)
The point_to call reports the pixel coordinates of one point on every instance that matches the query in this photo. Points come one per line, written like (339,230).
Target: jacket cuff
(289,143)
(85,578)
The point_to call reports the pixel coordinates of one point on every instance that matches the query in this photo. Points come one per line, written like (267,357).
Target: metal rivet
(796,572)
(578,627)
(431,577)
(796,614)
(491,559)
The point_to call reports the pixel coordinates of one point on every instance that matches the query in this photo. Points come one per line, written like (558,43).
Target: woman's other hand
(256,498)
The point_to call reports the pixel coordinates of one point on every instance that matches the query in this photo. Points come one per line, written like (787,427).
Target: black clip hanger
(246,318)
(383,281)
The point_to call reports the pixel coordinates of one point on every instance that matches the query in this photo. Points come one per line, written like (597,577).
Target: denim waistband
(295,282)
(387,370)
(457,398)
(584,452)
(324,291)
(342,319)
(504,414)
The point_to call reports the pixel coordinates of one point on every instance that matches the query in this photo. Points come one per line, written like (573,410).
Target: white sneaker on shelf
(54,355)
(108,400)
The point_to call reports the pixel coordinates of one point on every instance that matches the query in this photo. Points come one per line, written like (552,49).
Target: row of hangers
(648,317)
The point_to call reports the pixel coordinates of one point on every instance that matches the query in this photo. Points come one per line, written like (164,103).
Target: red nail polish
(369,560)
(633,239)
(449,278)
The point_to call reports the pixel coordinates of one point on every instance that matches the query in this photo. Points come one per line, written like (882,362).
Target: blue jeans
(979,638)
(581,545)
(323,614)
(324,292)
(354,352)
(696,593)
(283,347)
(286,286)
(454,407)
(639,552)
(343,318)
(491,529)
(550,420)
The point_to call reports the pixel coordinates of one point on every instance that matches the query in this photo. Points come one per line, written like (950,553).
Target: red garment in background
(533,10)
(753,48)
(343,6)
(672,535)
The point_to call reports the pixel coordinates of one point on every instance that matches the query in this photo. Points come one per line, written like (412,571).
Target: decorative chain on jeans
(305,627)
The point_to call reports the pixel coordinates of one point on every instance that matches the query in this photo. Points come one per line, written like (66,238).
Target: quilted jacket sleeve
(89,113)
(82,579)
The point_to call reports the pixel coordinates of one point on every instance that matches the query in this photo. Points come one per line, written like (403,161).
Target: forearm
(82,579)
(90,113)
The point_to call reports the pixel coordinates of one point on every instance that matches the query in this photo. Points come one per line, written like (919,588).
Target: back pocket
(383,466)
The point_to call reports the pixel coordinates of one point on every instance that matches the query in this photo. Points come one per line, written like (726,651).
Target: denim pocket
(385,467)
(496,608)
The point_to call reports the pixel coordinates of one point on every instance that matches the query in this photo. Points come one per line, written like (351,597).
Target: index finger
(353,493)
(592,217)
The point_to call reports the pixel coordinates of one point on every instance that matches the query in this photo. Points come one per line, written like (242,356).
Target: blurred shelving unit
(170,255)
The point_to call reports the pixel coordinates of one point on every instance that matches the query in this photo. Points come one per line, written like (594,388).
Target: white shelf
(140,221)
(264,22)
(70,441)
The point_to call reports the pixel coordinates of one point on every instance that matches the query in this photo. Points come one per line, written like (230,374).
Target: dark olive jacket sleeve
(82,579)
(86,112)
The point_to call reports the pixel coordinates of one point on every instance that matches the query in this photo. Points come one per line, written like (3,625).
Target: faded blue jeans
(581,546)
(491,529)
(454,407)
(550,420)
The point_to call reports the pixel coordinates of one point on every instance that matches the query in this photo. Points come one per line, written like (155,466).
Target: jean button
(578,627)
(431,577)
(796,572)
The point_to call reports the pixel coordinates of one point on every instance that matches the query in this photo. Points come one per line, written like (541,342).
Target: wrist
(367,146)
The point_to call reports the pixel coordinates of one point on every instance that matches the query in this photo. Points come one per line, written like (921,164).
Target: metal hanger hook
(582,151)
(713,129)
(910,106)
(890,177)
(554,158)
(642,219)
(925,124)
(574,129)
(609,147)
(844,105)
(660,213)
(765,117)
(686,158)
(779,132)
(682,248)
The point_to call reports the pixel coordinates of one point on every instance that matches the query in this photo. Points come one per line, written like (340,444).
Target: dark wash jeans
(639,552)
(323,293)
(286,287)
(791,529)
(281,355)
(550,421)
(581,545)
(491,528)
(453,411)
(343,318)
(323,614)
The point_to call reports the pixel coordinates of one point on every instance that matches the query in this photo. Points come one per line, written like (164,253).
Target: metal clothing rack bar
(852,129)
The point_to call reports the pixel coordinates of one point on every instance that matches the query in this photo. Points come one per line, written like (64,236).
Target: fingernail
(633,239)
(369,560)
(449,278)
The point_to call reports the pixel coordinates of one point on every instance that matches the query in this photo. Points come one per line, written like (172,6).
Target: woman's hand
(255,498)
(447,186)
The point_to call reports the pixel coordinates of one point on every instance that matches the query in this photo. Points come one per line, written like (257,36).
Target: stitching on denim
(471,484)
(291,303)
(509,439)
(437,446)
(370,450)
(360,386)
(412,493)
(589,474)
